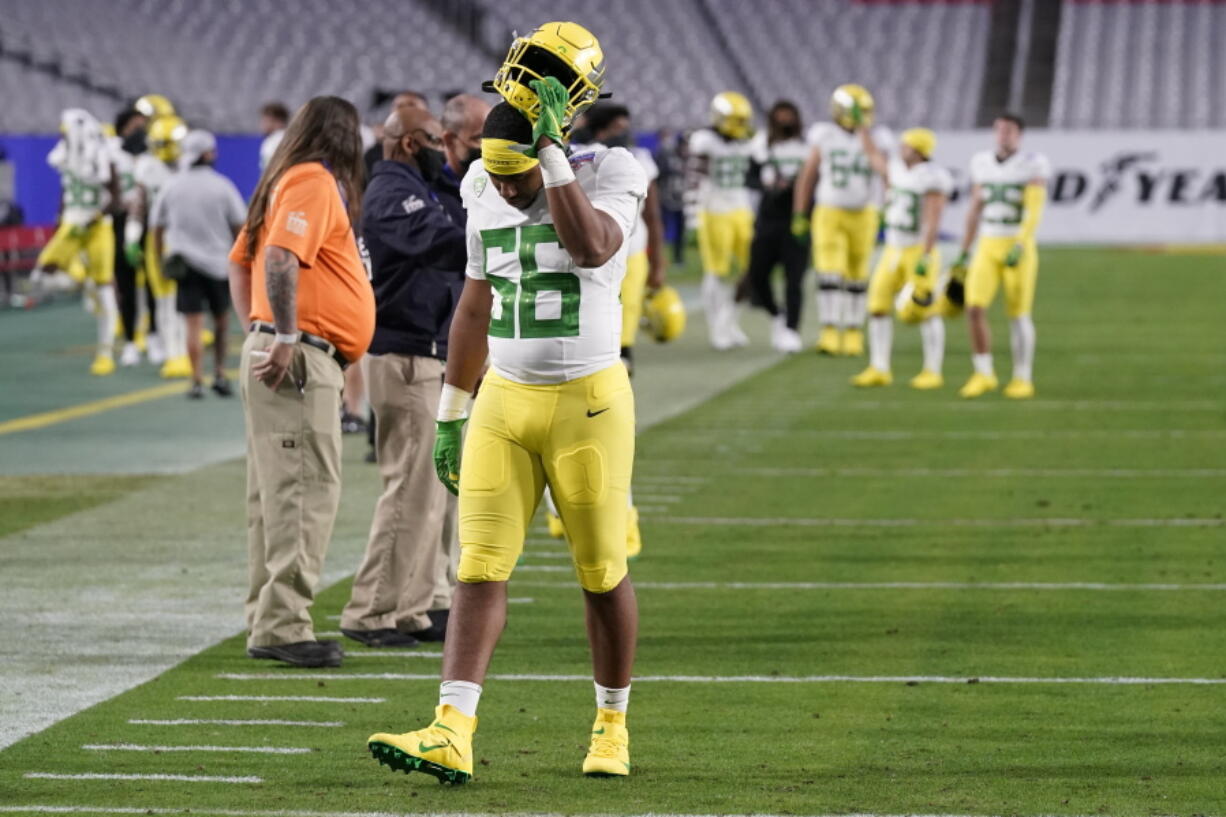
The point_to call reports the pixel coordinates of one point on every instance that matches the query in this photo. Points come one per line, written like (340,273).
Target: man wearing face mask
(413,228)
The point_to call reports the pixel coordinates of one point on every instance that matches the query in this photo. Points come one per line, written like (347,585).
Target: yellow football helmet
(154,105)
(566,51)
(841,102)
(732,115)
(921,140)
(664,314)
(165,137)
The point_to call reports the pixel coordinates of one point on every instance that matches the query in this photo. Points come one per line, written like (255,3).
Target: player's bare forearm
(972,219)
(136,211)
(116,205)
(654,218)
(934,203)
(240,292)
(590,236)
(802,195)
(876,159)
(281,285)
(468,342)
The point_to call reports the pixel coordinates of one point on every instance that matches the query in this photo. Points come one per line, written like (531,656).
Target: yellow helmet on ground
(165,135)
(566,51)
(154,105)
(732,115)
(921,140)
(664,314)
(842,100)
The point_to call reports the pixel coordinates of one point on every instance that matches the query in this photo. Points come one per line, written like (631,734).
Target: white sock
(983,364)
(108,314)
(712,303)
(932,337)
(855,305)
(463,695)
(880,339)
(829,299)
(616,699)
(1021,339)
(168,323)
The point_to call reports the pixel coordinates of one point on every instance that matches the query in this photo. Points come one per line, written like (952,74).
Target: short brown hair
(275,110)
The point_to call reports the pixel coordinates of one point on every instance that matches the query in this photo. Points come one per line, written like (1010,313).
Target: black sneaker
(437,631)
(196,392)
(221,387)
(352,423)
(301,653)
(381,638)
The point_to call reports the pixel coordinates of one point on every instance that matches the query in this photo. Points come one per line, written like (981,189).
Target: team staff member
(297,275)
(195,217)
(418,252)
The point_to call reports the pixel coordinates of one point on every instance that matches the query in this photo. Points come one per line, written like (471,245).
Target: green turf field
(881,602)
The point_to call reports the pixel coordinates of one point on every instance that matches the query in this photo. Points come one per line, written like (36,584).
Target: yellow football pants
(159,285)
(988,271)
(894,269)
(843,241)
(724,238)
(97,241)
(633,287)
(577,437)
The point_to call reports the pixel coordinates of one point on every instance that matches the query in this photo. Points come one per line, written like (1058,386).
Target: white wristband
(453,403)
(131,231)
(555,166)
(288,338)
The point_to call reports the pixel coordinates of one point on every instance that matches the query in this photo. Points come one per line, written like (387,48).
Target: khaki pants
(396,583)
(293,489)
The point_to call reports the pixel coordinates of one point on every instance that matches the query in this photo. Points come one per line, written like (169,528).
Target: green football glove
(447,437)
(921,268)
(133,253)
(800,226)
(554,99)
(1014,255)
(957,271)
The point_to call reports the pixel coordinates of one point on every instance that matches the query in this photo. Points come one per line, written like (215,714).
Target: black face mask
(466,162)
(135,142)
(619,140)
(430,162)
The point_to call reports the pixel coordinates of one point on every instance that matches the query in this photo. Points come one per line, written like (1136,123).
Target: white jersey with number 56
(552,321)
(1002,185)
(846,178)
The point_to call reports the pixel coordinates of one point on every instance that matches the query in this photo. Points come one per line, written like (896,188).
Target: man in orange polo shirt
(297,275)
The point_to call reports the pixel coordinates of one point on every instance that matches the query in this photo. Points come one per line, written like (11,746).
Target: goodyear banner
(1112,187)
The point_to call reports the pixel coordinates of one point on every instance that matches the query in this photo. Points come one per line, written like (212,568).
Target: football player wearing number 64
(547,248)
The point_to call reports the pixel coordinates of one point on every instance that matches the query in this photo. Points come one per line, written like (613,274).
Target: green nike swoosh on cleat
(599,731)
(423,748)
(437,725)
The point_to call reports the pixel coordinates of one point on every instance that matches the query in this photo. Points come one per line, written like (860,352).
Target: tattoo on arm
(281,283)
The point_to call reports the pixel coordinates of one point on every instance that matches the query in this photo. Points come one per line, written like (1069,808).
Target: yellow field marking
(50,418)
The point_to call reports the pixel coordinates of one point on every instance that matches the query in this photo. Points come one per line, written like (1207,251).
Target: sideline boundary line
(1110,680)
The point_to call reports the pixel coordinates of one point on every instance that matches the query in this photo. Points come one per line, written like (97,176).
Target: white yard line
(995,406)
(1091,586)
(137,747)
(223,722)
(392,653)
(291,698)
(522,600)
(1022,522)
(178,778)
(329,634)
(735,679)
(1108,473)
(913,434)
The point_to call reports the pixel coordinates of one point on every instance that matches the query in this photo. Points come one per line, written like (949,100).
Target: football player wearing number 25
(547,239)
(1009,189)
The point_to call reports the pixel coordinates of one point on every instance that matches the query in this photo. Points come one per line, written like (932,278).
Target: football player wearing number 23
(547,244)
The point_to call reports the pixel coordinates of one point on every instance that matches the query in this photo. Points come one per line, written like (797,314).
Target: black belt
(319,343)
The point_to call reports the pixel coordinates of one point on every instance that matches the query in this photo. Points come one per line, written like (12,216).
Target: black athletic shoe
(381,638)
(221,387)
(352,424)
(437,631)
(196,392)
(301,653)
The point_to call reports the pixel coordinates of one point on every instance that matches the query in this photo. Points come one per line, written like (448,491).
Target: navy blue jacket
(414,233)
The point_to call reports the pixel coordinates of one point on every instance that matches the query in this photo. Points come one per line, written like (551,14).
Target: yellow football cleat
(1019,389)
(176,367)
(609,753)
(871,377)
(853,342)
(927,380)
(634,540)
(556,529)
(443,749)
(978,385)
(828,342)
(102,365)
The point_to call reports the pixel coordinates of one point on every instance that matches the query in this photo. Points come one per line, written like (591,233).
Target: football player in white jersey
(548,239)
(153,169)
(777,154)
(1008,192)
(90,189)
(844,222)
(720,161)
(917,191)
